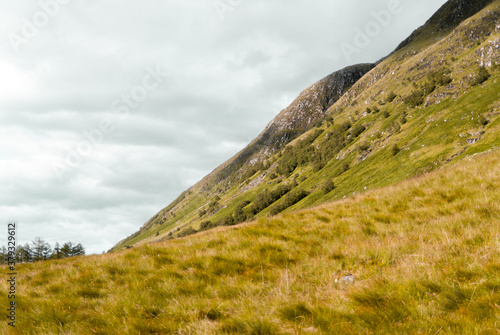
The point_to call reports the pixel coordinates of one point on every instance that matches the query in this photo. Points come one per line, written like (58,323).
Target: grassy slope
(433,136)
(424,253)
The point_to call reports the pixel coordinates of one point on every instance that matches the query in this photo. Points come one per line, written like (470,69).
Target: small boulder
(347,279)
(310,330)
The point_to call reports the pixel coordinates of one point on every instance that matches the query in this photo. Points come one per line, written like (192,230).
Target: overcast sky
(110,109)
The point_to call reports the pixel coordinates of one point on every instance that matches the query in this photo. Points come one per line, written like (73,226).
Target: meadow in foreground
(425,255)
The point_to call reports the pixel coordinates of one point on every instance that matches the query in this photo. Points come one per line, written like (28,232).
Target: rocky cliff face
(304,112)
(310,106)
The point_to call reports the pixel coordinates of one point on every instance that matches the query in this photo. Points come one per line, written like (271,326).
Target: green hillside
(431,103)
(424,255)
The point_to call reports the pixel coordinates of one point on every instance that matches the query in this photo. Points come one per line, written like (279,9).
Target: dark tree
(57,252)
(67,249)
(3,255)
(41,249)
(78,250)
(25,253)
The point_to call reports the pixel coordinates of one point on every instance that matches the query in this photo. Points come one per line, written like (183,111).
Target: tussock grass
(424,254)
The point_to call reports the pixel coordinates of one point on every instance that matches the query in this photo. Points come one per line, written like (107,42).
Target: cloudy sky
(110,109)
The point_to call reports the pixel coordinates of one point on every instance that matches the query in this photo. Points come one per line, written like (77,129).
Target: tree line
(40,250)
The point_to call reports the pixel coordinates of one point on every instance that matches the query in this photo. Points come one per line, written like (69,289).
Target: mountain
(430,103)
(408,149)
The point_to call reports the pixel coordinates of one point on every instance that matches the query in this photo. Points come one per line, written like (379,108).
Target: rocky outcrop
(310,106)
(302,114)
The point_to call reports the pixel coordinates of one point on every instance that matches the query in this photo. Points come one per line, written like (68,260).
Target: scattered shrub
(435,79)
(187,231)
(482,120)
(239,215)
(289,200)
(213,205)
(357,130)
(440,77)
(266,198)
(395,150)
(205,225)
(345,126)
(298,154)
(327,186)
(391,96)
(304,152)
(416,98)
(402,119)
(363,146)
(429,87)
(329,121)
(481,76)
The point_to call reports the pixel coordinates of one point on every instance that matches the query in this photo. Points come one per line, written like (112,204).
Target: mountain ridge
(448,17)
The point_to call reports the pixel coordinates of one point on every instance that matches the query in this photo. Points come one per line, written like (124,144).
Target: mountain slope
(424,254)
(432,102)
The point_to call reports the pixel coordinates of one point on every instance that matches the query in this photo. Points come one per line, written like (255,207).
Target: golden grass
(424,253)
